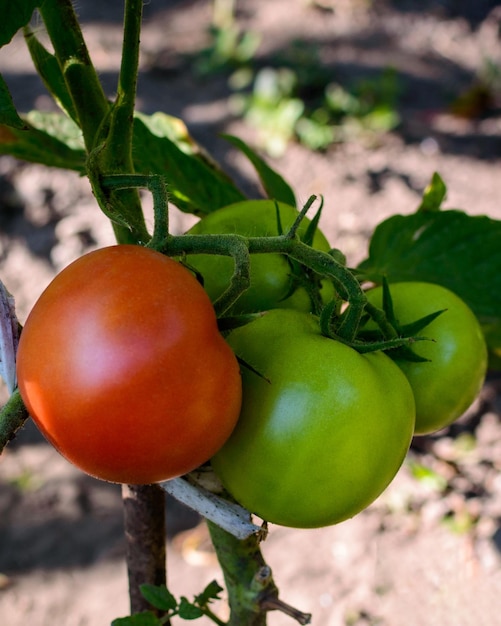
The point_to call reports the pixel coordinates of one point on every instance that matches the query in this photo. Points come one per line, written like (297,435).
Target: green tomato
(323,429)
(270,273)
(446,385)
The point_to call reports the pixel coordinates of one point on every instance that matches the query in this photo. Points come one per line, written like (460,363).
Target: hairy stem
(12,417)
(240,247)
(119,139)
(107,128)
(252,591)
(79,73)
(113,149)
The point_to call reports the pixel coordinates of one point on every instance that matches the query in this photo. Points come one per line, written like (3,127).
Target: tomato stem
(107,128)
(252,591)
(79,73)
(144,520)
(292,232)
(343,326)
(227,515)
(240,247)
(112,151)
(119,139)
(12,417)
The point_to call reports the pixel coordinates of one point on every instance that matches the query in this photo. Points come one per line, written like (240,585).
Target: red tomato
(123,369)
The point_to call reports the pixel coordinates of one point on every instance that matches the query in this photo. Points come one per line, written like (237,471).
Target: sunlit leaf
(450,248)
(274,185)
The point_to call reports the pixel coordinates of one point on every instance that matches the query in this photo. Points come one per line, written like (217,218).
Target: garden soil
(428,551)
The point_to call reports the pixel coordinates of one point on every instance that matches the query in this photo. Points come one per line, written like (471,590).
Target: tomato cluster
(123,368)
(323,429)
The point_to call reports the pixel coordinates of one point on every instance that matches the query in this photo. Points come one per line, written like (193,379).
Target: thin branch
(227,515)
(275,604)
(9,336)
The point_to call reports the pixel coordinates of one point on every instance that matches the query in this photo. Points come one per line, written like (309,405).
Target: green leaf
(159,597)
(313,225)
(427,476)
(147,618)
(412,329)
(50,72)
(456,250)
(189,611)
(59,126)
(388,302)
(8,113)
(15,15)
(50,139)
(434,194)
(211,592)
(405,353)
(274,185)
(162,145)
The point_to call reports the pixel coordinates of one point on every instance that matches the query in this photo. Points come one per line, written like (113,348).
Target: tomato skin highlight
(121,365)
(321,433)
(447,385)
(270,273)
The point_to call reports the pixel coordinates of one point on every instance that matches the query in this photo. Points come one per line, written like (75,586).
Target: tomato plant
(123,369)
(121,362)
(446,384)
(323,429)
(272,278)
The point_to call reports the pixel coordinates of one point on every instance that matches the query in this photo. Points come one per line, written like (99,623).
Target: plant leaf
(146,618)
(456,250)
(313,225)
(48,138)
(274,185)
(412,329)
(434,194)
(427,476)
(8,113)
(211,592)
(162,145)
(159,597)
(15,15)
(189,611)
(50,72)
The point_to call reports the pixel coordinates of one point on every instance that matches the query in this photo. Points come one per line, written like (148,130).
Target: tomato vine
(112,134)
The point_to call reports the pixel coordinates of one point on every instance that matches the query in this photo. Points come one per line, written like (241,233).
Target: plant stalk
(12,417)
(79,73)
(120,135)
(240,247)
(107,128)
(251,589)
(144,520)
